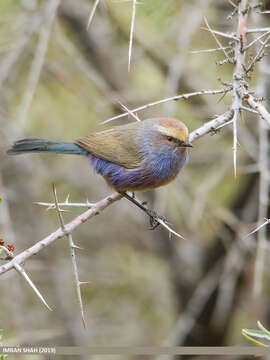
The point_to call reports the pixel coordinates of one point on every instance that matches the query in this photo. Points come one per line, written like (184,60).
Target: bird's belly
(150,175)
(137,180)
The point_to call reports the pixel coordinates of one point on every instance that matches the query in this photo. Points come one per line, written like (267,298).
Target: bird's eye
(169,138)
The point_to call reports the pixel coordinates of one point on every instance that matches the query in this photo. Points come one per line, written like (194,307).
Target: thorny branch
(172,98)
(240,95)
(96,208)
(59,233)
(72,247)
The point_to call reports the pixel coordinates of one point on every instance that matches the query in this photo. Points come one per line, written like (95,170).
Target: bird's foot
(154,219)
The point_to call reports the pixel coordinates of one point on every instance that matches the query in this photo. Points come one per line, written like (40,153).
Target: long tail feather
(43,145)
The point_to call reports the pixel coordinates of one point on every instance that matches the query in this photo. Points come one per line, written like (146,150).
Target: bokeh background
(146,289)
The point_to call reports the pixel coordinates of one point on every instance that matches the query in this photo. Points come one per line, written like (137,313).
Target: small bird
(133,157)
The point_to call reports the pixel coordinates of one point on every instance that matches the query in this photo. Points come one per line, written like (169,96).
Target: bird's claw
(154,219)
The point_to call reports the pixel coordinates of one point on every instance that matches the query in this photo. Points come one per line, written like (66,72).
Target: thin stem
(73,256)
(131,32)
(155,219)
(92,13)
(217,41)
(172,98)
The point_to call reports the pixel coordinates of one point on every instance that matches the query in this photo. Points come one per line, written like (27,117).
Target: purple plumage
(156,170)
(160,154)
(131,157)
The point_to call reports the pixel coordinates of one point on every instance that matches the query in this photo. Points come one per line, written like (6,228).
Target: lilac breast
(156,170)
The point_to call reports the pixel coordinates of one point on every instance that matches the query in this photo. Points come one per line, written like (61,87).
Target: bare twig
(22,272)
(130,112)
(92,13)
(228,36)
(258,55)
(155,219)
(73,256)
(210,50)
(250,31)
(71,226)
(51,206)
(257,39)
(259,227)
(249,109)
(131,32)
(211,125)
(171,231)
(255,105)
(233,4)
(217,41)
(172,98)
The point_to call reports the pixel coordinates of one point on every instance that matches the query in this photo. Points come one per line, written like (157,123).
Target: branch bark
(59,233)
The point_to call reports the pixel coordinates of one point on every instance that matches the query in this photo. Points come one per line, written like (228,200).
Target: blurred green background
(146,289)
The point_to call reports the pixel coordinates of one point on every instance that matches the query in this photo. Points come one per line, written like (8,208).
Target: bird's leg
(154,217)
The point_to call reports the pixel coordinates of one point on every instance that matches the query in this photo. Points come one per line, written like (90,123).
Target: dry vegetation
(60,79)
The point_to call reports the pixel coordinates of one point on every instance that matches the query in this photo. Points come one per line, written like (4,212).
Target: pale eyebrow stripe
(169,131)
(166,131)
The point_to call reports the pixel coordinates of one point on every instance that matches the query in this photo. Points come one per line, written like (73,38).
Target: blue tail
(42,145)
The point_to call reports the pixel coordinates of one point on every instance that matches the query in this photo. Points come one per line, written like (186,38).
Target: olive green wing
(119,145)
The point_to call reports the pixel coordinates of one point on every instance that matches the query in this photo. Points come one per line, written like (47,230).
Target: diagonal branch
(130,112)
(259,55)
(217,41)
(228,36)
(211,125)
(258,107)
(22,272)
(131,32)
(172,98)
(259,227)
(59,233)
(73,256)
(92,13)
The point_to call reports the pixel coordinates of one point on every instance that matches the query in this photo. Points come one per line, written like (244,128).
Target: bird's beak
(186,144)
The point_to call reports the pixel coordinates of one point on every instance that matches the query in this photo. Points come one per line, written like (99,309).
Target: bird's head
(171,134)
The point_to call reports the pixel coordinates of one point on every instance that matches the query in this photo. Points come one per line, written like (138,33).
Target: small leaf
(252,340)
(257,334)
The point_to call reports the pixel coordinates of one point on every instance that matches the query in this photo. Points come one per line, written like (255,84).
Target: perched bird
(133,157)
